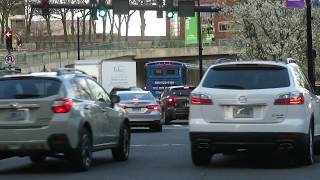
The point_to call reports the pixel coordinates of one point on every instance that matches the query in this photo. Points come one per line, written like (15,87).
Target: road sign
(9,59)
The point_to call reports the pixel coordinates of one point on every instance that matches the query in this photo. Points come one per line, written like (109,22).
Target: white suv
(253,105)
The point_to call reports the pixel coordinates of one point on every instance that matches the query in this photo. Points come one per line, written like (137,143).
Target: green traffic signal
(102,12)
(170,14)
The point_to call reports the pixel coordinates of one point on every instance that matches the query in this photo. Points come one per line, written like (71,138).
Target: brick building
(217,28)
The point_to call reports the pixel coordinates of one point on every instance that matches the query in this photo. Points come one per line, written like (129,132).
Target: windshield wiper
(228,86)
(22,96)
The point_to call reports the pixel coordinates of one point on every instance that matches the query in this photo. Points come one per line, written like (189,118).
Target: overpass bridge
(140,52)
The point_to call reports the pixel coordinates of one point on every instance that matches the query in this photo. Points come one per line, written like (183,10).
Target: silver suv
(60,113)
(254,105)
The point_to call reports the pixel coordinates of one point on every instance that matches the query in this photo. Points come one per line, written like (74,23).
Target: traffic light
(170,12)
(102,8)
(45,7)
(8,35)
(120,6)
(93,10)
(160,12)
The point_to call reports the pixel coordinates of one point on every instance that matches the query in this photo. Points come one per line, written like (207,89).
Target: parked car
(63,112)
(143,109)
(254,105)
(116,89)
(175,102)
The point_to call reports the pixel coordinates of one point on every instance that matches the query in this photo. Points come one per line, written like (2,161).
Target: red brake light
(201,99)
(123,106)
(171,100)
(154,107)
(294,98)
(61,105)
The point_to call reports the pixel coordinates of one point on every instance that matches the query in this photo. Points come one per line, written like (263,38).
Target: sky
(154,25)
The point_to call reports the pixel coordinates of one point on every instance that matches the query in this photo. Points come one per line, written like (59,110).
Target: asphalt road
(162,156)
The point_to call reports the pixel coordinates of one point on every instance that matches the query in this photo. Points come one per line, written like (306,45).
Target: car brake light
(123,106)
(61,105)
(171,100)
(153,107)
(293,98)
(201,99)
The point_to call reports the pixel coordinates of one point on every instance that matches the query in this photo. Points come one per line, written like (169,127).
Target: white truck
(110,73)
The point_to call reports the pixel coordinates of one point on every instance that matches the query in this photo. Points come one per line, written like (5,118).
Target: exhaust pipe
(286,146)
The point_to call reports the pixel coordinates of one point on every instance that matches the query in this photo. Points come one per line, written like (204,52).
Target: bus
(162,74)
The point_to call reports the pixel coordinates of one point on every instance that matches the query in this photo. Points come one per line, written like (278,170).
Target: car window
(247,77)
(136,96)
(98,92)
(26,88)
(79,89)
(301,79)
(181,92)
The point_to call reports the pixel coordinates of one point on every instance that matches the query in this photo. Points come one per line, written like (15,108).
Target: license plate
(136,109)
(17,115)
(243,112)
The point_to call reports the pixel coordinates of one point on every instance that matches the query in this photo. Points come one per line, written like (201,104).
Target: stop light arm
(131,7)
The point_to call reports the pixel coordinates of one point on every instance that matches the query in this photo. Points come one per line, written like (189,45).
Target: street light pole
(200,43)
(311,68)
(78,36)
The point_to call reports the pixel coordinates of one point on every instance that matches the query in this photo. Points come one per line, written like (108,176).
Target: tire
(122,151)
(82,157)
(37,158)
(306,155)
(200,157)
(166,119)
(155,127)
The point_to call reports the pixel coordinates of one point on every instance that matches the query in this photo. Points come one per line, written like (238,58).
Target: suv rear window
(27,88)
(181,92)
(247,77)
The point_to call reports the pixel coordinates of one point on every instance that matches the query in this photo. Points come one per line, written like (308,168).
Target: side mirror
(115,99)
(317,89)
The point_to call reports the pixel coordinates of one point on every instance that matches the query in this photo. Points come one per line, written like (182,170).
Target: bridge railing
(59,55)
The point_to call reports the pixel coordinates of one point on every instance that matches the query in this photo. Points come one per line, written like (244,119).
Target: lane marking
(156,145)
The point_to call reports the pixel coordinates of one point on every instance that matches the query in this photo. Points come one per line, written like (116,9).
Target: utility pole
(78,37)
(200,43)
(311,68)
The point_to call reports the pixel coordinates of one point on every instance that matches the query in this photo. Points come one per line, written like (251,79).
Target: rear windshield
(28,88)
(181,92)
(247,77)
(136,96)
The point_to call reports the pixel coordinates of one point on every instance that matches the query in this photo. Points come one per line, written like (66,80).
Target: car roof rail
(225,60)
(63,71)
(291,60)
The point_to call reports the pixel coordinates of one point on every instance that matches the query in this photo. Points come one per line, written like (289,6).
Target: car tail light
(154,107)
(201,99)
(293,98)
(61,105)
(123,106)
(170,100)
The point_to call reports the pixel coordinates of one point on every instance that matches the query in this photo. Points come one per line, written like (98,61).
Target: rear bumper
(58,137)
(221,142)
(178,112)
(144,123)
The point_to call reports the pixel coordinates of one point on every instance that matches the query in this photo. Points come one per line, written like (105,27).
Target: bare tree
(6,7)
(142,13)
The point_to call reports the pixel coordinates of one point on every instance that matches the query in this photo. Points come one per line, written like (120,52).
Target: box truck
(110,73)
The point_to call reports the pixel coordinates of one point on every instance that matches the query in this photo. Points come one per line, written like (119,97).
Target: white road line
(156,145)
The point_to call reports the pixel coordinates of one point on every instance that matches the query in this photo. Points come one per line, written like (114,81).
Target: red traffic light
(8,34)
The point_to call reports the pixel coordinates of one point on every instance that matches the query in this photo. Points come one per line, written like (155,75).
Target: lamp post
(311,68)
(200,43)
(78,37)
